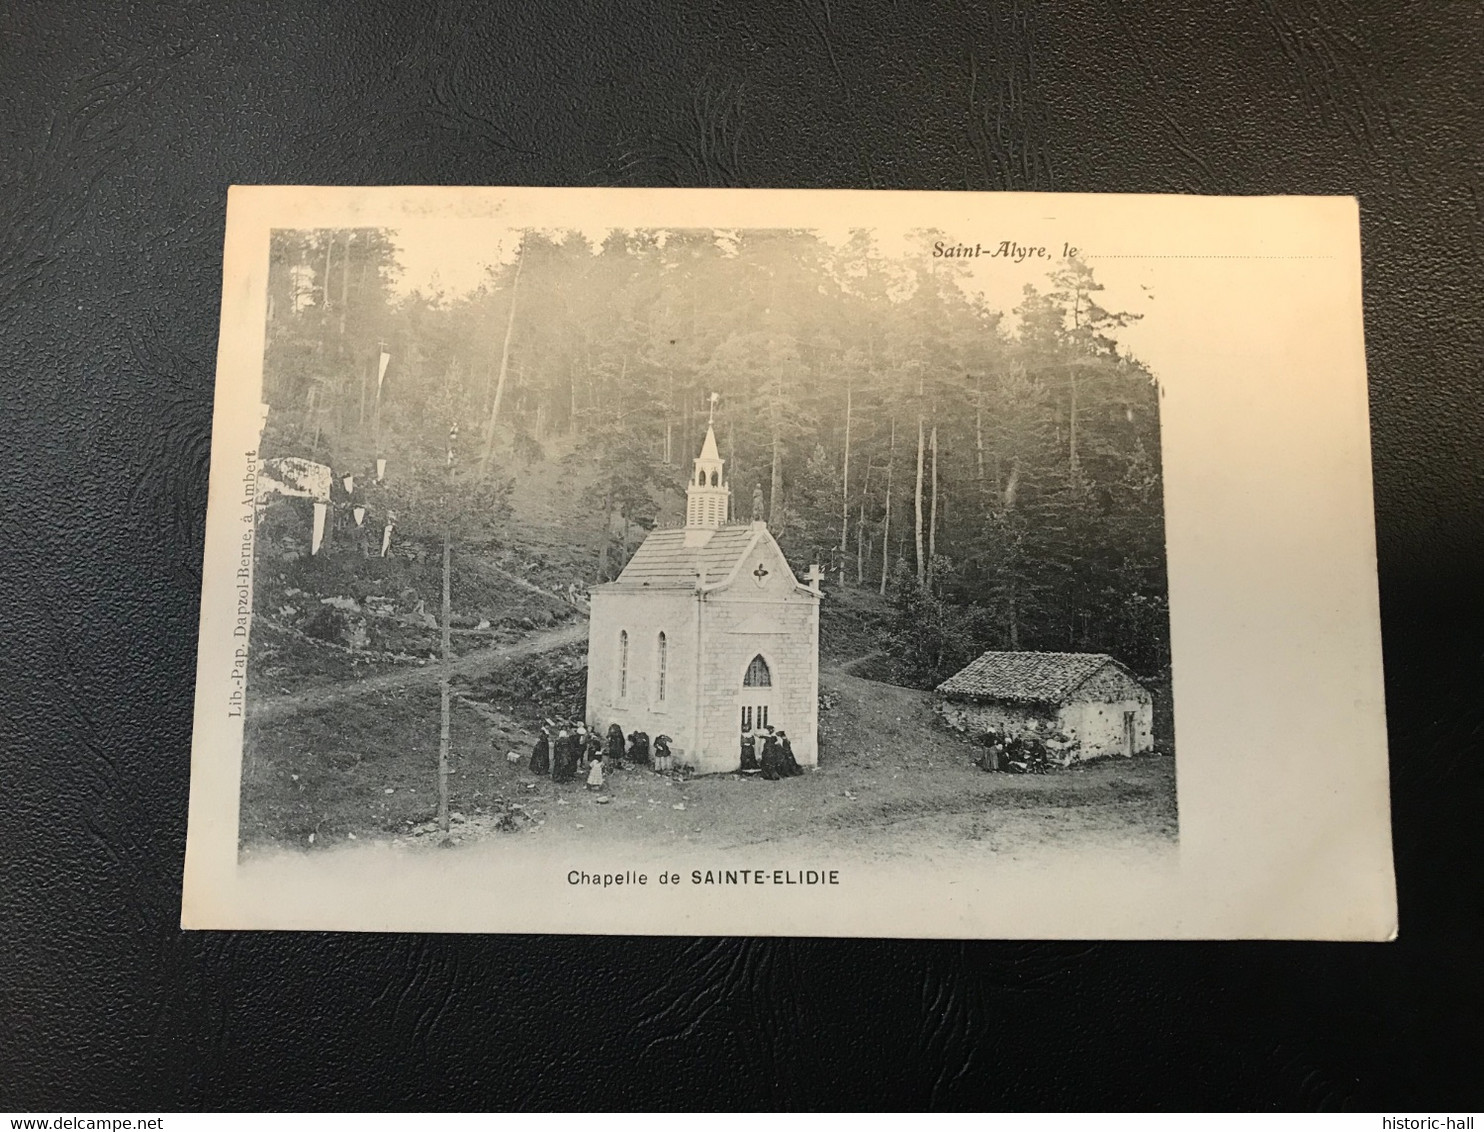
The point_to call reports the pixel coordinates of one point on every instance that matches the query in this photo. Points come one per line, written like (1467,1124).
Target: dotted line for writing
(1098,255)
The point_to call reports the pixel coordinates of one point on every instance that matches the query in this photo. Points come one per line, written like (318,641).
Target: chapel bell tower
(708,498)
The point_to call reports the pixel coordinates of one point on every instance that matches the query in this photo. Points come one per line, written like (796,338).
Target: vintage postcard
(790,563)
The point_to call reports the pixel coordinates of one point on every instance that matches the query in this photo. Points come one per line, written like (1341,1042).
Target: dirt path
(557,598)
(475,663)
(848,667)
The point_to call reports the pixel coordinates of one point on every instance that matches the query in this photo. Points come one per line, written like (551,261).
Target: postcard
(764,562)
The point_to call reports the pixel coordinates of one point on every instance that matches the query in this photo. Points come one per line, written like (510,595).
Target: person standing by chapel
(595,771)
(772,756)
(791,766)
(662,764)
(639,748)
(749,750)
(541,753)
(564,758)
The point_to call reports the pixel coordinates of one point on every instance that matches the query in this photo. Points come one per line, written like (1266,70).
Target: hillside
(890,783)
(348,611)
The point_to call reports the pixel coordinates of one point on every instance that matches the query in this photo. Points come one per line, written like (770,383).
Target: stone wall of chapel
(730,639)
(778,583)
(639,706)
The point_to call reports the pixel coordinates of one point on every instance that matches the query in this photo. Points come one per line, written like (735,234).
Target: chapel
(705,633)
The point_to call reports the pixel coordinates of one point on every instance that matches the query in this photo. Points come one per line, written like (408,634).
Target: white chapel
(706,632)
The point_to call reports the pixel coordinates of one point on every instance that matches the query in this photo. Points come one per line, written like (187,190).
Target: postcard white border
(1281,767)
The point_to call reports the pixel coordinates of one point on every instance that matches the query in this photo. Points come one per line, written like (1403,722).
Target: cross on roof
(759,573)
(814,574)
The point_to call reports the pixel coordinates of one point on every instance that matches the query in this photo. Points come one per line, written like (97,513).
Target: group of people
(774,760)
(577,750)
(1030,751)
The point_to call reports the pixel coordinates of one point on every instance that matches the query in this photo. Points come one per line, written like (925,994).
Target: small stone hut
(1089,696)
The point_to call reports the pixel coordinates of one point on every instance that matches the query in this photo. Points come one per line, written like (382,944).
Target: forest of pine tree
(993,476)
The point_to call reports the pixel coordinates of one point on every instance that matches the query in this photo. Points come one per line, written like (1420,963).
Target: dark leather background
(120,129)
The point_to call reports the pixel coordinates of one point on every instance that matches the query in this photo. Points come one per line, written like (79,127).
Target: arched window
(623,663)
(664,660)
(758,675)
(713,479)
(700,479)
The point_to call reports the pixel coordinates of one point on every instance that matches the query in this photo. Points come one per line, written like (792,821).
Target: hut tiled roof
(1024,677)
(663,560)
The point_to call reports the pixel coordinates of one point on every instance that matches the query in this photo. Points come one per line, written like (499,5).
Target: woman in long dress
(564,758)
(614,754)
(772,757)
(541,754)
(791,765)
(749,750)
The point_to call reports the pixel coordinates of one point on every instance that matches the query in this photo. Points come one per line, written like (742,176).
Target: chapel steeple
(708,498)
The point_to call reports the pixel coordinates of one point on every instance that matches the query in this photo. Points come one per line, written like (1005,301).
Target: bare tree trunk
(443,682)
(933,511)
(607,537)
(315,409)
(917,499)
(1072,461)
(979,425)
(845,488)
(775,483)
(669,408)
(345,284)
(489,428)
(886,525)
(860,546)
(325,286)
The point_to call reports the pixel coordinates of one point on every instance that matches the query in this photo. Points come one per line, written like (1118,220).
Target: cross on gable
(760,573)
(814,574)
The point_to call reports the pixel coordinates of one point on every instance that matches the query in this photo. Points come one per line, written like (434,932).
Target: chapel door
(757,696)
(1128,734)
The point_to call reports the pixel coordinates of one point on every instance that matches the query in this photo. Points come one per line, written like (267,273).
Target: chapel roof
(663,560)
(1025,677)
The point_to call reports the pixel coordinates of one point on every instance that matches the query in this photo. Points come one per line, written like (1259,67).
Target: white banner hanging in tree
(381,371)
(293,477)
(386,540)
(380,469)
(360,514)
(320,510)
